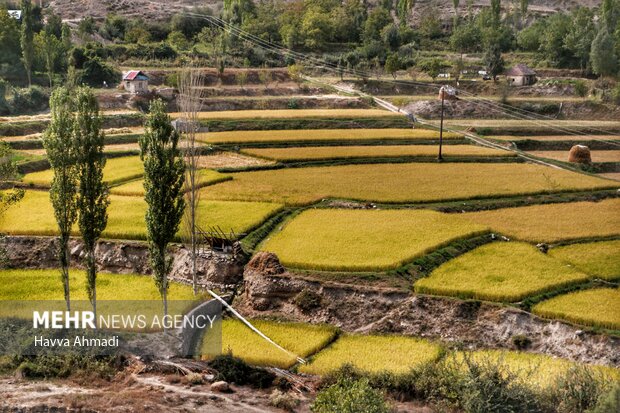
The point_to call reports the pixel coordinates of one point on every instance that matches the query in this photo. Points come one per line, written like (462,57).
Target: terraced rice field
(387,151)
(554,222)
(292,114)
(498,123)
(325,135)
(537,369)
(545,138)
(597,156)
(117,147)
(396,354)
(116,170)
(364,240)
(597,307)
(500,271)
(136,188)
(300,339)
(34,216)
(413,182)
(598,259)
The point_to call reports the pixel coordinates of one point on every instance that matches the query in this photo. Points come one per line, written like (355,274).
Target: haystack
(580,154)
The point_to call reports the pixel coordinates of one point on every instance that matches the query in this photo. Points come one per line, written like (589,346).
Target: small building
(135,81)
(521,75)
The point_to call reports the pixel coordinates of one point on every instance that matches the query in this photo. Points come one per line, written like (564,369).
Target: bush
(350,396)
(609,402)
(577,390)
(235,370)
(581,89)
(27,100)
(95,71)
(307,300)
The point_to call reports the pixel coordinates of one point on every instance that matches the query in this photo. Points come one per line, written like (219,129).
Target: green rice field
(500,271)
(413,182)
(598,259)
(364,240)
(599,307)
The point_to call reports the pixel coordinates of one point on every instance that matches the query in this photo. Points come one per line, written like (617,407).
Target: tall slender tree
(27,38)
(62,155)
(93,199)
(164,174)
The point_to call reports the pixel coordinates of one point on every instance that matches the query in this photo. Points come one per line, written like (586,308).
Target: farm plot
(598,259)
(395,354)
(116,170)
(554,222)
(501,271)
(292,114)
(320,135)
(597,156)
(300,339)
(387,151)
(401,183)
(136,188)
(364,240)
(549,138)
(34,215)
(598,307)
(537,369)
(499,123)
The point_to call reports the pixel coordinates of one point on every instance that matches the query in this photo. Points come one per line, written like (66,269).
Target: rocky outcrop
(125,257)
(271,290)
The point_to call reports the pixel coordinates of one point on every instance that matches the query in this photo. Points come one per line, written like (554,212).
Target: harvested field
(116,170)
(557,138)
(510,123)
(391,151)
(554,222)
(374,354)
(136,188)
(501,271)
(230,160)
(34,216)
(292,113)
(401,183)
(300,339)
(299,135)
(364,240)
(537,369)
(597,307)
(597,156)
(598,259)
(611,175)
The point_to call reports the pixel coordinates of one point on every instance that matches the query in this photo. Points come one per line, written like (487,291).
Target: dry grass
(396,354)
(116,170)
(230,160)
(597,156)
(391,151)
(598,259)
(364,240)
(498,123)
(292,114)
(554,222)
(500,271)
(136,188)
(300,339)
(321,135)
(598,307)
(34,216)
(401,183)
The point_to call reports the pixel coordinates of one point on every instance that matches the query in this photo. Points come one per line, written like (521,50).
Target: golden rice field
(116,170)
(597,156)
(500,271)
(544,138)
(536,369)
(598,259)
(364,240)
(396,354)
(554,222)
(412,182)
(298,135)
(136,188)
(302,340)
(387,151)
(34,215)
(599,307)
(292,114)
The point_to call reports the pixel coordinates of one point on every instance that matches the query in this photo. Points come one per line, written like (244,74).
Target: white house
(135,81)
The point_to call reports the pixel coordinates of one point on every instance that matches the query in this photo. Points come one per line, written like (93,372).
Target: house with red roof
(136,81)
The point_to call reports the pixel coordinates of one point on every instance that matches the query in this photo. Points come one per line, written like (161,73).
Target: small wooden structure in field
(521,75)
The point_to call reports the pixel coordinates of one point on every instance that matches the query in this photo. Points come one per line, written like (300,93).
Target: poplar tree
(164,175)
(61,154)
(27,38)
(93,197)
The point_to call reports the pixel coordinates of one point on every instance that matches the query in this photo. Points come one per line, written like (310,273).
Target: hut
(521,75)
(135,81)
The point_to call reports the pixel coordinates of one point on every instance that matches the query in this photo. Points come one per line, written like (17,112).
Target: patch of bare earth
(231,160)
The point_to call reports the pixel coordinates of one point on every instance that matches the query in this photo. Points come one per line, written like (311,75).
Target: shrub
(235,370)
(32,99)
(521,342)
(577,390)
(307,300)
(581,89)
(284,401)
(350,396)
(609,402)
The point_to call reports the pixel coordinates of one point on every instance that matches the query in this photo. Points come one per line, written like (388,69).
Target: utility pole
(442,92)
